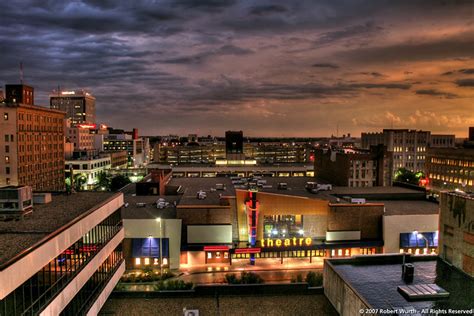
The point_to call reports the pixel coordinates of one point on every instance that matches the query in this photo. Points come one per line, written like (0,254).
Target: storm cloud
(267,67)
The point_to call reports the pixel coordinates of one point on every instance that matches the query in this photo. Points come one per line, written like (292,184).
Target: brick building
(31,144)
(354,168)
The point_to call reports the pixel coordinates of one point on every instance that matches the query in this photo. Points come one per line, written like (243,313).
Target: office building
(31,143)
(456,238)
(353,167)
(80,136)
(450,169)
(79,105)
(408,147)
(64,258)
(87,169)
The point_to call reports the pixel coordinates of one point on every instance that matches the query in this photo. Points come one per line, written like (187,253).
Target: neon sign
(287,242)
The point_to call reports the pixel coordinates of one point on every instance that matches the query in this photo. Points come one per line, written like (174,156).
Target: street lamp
(161,249)
(419,236)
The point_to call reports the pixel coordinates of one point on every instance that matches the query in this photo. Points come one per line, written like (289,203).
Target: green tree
(119,182)
(79,180)
(104,182)
(407,176)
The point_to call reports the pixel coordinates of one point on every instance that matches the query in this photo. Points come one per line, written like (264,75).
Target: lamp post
(161,249)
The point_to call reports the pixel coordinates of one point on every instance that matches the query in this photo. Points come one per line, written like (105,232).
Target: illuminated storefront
(146,252)
(419,243)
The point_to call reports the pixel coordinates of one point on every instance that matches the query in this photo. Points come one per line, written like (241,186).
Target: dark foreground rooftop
(223,305)
(16,236)
(376,279)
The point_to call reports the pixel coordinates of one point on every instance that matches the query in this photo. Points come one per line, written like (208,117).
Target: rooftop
(375,279)
(16,236)
(191,186)
(144,207)
(410,207)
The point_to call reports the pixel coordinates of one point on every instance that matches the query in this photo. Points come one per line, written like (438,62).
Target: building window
(5,116)
(6,138)
(7,148)
(138,261)
(7,170)
(209,255)
(7,159)
(147,261)
(8,181)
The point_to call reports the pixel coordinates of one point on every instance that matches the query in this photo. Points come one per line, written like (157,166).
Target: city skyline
(272,69)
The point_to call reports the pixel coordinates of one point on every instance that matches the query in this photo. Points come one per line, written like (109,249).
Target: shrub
(250,278)
(173,285)
(314,279)
(231,278)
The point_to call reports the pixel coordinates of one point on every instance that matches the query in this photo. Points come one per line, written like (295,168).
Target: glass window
(5,116)
(138,261)
(209,255)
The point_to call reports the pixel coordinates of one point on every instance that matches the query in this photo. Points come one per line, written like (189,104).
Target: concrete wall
(341,296)
(456,234)
(204,214)
(144,228)
(393,225)
(366,218)
(203,234)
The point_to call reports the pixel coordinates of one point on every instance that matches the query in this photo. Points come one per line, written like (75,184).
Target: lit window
(138,261)
(5,116)
(209,255)
(339,252)
(7,159)
(147,261)
(165,261)
(218,255)
(155,261)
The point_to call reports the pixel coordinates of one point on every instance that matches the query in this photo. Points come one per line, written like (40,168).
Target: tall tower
(78,105)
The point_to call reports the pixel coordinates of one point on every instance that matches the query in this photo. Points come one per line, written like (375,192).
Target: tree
(407,176)
(119,182)
(79,181)
(103,182)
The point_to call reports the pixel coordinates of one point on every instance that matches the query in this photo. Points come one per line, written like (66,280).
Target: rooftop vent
(16,201)
(140,204)
(42,198)
(201,195)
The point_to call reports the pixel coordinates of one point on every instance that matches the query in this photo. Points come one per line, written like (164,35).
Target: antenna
(21,72)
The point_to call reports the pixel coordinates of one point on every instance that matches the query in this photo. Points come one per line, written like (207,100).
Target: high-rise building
(31,143)
(78,105)
(234,145)
(408,146)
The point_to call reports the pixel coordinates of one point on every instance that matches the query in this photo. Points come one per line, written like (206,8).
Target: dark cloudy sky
(282,68)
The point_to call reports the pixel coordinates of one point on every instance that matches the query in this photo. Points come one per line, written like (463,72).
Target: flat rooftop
(243,304)
(191,186)
(19,235)
(376,278)
(410,207)
(144,207)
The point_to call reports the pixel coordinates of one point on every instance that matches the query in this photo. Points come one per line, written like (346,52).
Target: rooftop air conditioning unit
(16,201)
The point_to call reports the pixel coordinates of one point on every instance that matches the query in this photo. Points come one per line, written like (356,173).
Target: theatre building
(280,225)
(64,257)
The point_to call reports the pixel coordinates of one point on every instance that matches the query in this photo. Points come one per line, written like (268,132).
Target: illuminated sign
(68,92)
(288,242)
(247,250)
(89,126)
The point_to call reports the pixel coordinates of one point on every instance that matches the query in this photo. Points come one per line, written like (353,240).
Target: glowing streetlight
(161,249)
